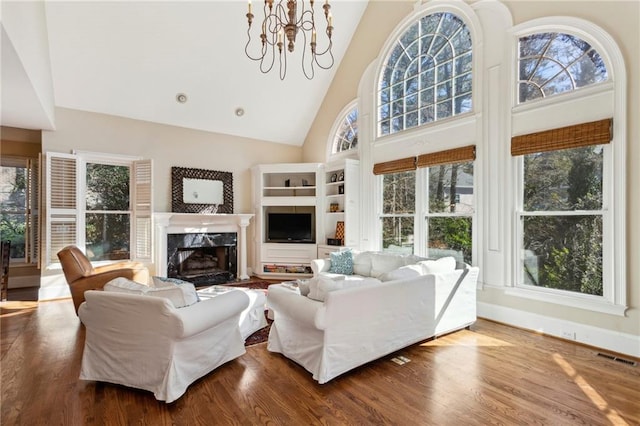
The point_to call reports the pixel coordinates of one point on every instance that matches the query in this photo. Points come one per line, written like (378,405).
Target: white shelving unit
(285,188)
(341,203)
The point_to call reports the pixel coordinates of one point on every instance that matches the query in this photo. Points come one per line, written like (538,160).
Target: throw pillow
(385,262)
(341,262)
(303,286)
(444,264)
(124,285)
(404,272)
(180,295)
(163,282)
(320,286)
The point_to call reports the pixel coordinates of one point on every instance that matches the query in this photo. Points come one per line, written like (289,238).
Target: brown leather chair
(82,276)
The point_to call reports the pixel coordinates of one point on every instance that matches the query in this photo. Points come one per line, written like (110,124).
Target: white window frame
(335,129)
(609,99)
(141,203)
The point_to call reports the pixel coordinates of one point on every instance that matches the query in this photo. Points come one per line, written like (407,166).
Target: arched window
(570,209)
(427,74)
(553,63)
(346,136)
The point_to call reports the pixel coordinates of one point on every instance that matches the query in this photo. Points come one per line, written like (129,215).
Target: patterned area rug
(261,335)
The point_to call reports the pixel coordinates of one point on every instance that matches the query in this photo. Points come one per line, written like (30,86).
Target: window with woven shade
(562,214)
(446,181)
(451,202)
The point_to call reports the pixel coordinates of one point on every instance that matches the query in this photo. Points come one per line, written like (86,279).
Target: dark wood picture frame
(178,174)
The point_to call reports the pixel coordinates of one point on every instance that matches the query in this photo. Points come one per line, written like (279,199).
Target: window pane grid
(440,69)
(554,63)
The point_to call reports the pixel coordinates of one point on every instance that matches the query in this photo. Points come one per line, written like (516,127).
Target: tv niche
(290,228)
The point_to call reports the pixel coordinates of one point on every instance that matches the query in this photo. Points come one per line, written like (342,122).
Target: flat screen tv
(290,228)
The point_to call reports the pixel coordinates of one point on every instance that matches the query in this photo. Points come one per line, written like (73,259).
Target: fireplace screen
(202,258)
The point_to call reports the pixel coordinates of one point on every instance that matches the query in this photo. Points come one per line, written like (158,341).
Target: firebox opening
(203,259)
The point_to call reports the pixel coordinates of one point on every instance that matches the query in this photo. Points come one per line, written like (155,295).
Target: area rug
(261,335)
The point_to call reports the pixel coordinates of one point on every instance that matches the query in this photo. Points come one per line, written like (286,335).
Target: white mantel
(187,223)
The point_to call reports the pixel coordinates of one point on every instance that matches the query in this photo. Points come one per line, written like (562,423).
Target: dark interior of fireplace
(202,258)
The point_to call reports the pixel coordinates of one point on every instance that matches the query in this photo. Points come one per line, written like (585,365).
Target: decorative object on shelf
(340,231)
(334,242)
(288,19)
(334,177)
(341,176)
(305,182)
(333,207)
(341,189)
(287,183)
(201,191)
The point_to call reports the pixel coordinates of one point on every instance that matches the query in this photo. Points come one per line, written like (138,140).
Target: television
(290,228)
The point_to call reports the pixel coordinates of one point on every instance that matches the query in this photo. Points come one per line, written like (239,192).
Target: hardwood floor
(490,374)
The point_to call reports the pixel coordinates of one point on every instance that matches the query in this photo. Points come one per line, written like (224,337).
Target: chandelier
(280,22)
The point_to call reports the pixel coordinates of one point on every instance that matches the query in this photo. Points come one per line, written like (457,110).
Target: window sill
(578,301)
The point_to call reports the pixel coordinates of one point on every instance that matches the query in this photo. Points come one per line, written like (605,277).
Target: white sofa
(147,343)
(362,318)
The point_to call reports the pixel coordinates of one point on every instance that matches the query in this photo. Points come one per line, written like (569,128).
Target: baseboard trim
(622,343)
(25,281)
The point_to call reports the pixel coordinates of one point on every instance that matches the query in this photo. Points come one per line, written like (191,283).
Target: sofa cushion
(362,263)
(385,262)
(160,282)
(404,272)
(341,262)
(320,286)
(124,285)
(179,295)
(444,264)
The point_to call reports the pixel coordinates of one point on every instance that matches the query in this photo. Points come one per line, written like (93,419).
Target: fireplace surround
(208,230)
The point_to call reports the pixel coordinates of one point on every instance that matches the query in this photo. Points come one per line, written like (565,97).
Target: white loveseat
(148,343)
(361,318)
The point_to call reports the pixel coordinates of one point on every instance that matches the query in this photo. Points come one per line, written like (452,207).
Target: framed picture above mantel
(201,191)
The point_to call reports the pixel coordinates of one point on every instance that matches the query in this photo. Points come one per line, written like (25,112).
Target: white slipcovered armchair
(146,343)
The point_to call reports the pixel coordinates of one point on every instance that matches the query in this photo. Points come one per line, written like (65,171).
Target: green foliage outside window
(108,214)
(13,219)
(564,251)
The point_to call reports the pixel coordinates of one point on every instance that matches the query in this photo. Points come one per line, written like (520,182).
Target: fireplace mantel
(184,223)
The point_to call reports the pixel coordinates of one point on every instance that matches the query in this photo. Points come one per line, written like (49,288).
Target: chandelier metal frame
(280,21)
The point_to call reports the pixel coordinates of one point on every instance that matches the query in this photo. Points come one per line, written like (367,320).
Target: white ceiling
(130,59)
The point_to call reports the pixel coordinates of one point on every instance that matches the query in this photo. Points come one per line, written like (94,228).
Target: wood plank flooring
(490,374)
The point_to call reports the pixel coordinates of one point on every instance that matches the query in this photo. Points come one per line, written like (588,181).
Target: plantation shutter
(142,210)
(579,135)
(61,204)
(32,242)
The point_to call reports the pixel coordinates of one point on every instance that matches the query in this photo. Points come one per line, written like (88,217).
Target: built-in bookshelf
(285,189)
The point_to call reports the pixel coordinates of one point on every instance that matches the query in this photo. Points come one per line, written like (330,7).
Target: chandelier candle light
(280,21)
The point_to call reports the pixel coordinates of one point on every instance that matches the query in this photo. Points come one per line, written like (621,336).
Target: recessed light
(181,98)
(239,112)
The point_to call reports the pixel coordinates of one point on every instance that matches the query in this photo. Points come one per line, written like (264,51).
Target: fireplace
(203,258)
(234,245)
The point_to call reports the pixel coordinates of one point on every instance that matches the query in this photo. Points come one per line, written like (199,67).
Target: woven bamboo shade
(450,156)
(395,166)
(585,134)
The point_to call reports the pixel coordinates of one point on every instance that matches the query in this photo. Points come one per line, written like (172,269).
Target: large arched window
(568,206)
(427,74)
(553,63)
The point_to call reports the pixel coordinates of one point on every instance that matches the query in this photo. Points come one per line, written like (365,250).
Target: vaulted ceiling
(131,59)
